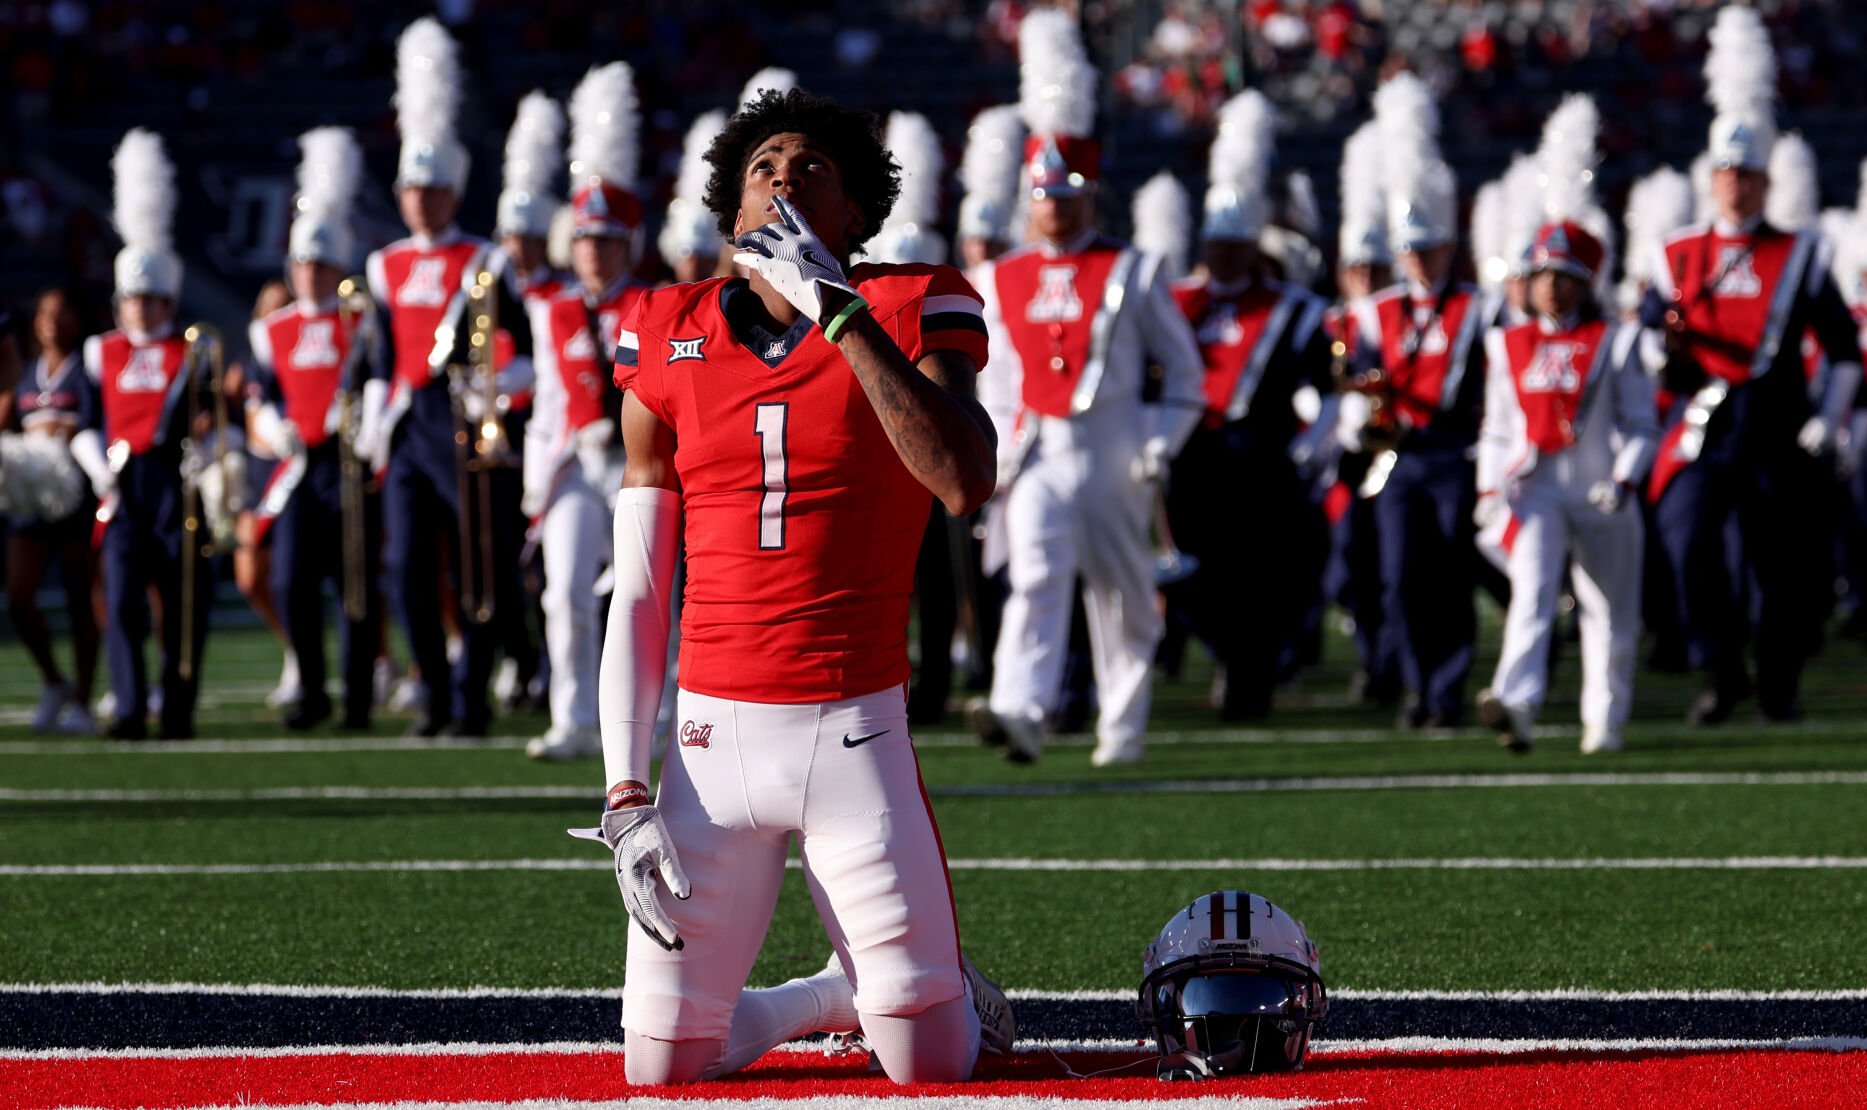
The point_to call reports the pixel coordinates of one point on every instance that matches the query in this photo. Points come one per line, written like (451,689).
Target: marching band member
(1569,429)
(311,357)
(144,375)
(571,455)
(689,243)
(423,394)
(1734,299)
(1261,341)
(53,401)
(1085,313)
(1424,337)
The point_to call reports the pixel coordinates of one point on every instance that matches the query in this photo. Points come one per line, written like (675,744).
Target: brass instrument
(204,344)
(356,311)
(1382,432)
(480,449)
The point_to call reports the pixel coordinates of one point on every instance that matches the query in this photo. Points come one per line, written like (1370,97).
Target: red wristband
(625,794)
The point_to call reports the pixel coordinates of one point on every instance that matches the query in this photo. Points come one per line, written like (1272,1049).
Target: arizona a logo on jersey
(1056,298)
(1740,275)
(315,348)
(1553,370)
(424,286)
(143,372)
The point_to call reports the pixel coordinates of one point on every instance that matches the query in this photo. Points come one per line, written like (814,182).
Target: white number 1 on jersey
(770,424)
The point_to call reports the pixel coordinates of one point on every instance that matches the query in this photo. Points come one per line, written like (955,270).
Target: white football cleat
(52,702)
(998,1029)
(1600,739)
(1118,755)
(290,690)
(559,745)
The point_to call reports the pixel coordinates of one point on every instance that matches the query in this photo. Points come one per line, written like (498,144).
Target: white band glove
(1817,436)
(644,850)
(1489,508)
(788,254)
(369,443)
(291,441)
(1606,495)
(596,435)
(1152,463)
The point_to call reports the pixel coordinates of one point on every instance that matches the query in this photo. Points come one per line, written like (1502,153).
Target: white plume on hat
(1056,83)
(1704,208)
(143,209)
(1363,235)
(534,155)
(1740,86)
(1302,212)
(1566,163)
(427,103)
(1851,247)
(329,171)
(1657,205)
(1422,206)
(775,79)
(907,235)
(1795,198)
(988,173)
(690,229)
(1490,215)
(1163,221)
(1238,169)
(1523,212)
(605,127)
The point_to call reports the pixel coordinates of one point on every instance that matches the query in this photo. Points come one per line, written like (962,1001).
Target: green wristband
(833,330)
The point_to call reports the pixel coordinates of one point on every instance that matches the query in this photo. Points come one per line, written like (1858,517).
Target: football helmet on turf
(1231,985)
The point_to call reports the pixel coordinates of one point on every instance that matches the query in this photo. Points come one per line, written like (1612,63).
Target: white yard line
(599,863)
(1194,786)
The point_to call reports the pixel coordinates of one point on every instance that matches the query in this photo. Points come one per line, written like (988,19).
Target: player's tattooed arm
(930,411)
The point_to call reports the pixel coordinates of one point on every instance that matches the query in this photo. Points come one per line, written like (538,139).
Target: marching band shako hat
(534,169)
(1061,165)
(602,209)
(989,173)
(1237,203)
(1362,238)
(143,207)
(1740,85)
(1567,248)
(1423,197)
(427,98)
(328,173)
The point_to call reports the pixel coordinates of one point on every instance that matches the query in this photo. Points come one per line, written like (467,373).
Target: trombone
(204,344)
(479,449)
(356,312)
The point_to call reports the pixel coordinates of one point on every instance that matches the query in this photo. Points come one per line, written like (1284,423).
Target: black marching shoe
(308,712)
(1715,704)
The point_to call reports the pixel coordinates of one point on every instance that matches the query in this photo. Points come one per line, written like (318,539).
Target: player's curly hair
(851,137)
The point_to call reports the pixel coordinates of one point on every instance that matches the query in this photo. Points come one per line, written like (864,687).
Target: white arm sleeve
(635,648)
(1635,410)
(87,450)
(1494,430)
(1169,338)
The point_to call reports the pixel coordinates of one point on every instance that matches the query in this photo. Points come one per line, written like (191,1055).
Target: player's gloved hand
(643,850)
(1152,463)
(1817,436)
(290,440)
(1607,495)
(788,254)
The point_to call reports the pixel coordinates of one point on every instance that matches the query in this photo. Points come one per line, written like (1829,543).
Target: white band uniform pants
(1554,525)
(740,779)
(1077,508)
(575,535)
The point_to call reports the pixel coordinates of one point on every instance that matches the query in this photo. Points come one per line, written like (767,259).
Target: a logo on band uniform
(1553,370)
(145,372)
(696,735)
(1740,273)
(681,350)
(1221,328)
(1056,299)
(426,284)
(316,347)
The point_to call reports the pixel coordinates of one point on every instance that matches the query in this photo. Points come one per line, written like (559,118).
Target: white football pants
(741,778)
(1553,525)
(575,536)
(1076,507)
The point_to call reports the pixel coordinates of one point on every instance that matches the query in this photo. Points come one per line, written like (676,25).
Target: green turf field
(1414,865)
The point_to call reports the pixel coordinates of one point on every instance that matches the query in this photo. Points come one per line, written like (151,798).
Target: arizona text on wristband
(833,330)
(626,793)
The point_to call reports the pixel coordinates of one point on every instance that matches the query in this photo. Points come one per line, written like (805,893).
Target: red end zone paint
(1773,1078)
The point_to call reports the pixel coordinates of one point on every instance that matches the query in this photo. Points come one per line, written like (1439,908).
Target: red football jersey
(306,355)
(578,370)
(139,382)
(802,523)
(416,284)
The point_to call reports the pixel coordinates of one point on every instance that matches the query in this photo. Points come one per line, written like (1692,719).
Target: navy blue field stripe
(115,1021)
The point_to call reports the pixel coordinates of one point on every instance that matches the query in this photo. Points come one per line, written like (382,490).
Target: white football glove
(1606,495)
(1817,436)
(788,254)
(1152,463)
(643,850)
